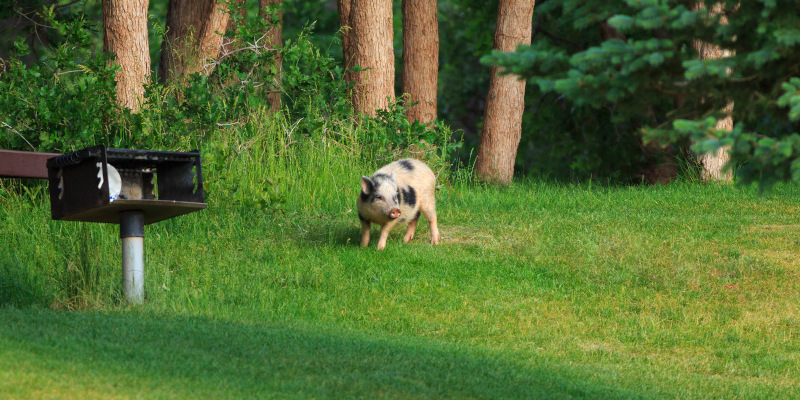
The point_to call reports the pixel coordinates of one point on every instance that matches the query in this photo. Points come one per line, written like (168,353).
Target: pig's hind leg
(429,211)
(412,227)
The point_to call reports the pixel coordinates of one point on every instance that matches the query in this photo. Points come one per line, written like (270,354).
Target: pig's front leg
(385,229)
(365,225)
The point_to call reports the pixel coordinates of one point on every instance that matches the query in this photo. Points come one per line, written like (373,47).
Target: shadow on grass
(141,355)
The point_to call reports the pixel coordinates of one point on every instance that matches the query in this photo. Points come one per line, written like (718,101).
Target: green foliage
(314,86)
(392,137)
(392,128)
(64,102)
(791,98)
(297,15)
(67,100)
(182,113)
(653,79)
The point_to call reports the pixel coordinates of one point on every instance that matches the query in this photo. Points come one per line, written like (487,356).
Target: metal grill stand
(131,231)
(153,186)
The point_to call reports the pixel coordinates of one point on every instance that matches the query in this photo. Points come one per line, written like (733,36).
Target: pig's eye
(378,197)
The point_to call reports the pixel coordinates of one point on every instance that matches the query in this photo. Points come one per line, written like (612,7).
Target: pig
(394,194)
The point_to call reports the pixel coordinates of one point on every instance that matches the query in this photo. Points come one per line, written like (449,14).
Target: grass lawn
(536,291)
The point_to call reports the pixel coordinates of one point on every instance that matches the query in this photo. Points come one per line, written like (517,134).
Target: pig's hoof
(435,239)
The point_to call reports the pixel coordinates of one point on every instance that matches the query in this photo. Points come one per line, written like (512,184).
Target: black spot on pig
(407,165)
(416,217)
(380,178)
(409,196)
(361,217)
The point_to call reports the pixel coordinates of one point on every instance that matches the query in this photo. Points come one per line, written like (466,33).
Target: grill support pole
(131,231)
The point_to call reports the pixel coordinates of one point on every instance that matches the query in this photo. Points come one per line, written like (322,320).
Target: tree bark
(714,164)
(420,58)
(343,7)
(125,35)
(369,45)
(194,36)
(502,122)
(274,40)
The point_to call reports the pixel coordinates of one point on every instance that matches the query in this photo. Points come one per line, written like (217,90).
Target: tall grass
(270,163)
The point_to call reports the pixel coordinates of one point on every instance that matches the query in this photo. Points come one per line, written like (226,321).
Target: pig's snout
(394,214)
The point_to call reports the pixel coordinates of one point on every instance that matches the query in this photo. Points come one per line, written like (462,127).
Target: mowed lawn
(536,291)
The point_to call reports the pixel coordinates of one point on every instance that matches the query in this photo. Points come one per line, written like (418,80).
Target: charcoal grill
(153,186)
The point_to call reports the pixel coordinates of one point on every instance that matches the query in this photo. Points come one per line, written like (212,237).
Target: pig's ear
(366,185)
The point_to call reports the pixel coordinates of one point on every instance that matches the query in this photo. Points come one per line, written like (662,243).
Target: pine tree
(653,74)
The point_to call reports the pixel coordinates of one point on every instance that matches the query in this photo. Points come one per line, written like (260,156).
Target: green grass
(537,291)
(135,354)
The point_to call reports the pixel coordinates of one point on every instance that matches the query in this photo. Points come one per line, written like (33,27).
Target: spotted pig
(394,194)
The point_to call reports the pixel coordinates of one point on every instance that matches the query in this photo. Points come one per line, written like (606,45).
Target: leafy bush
(64,102)
(392,137)
(314,88)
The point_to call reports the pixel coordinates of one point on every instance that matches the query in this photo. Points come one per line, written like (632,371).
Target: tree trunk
(369,45)
(502,122)
(274,40)
(125,34)
(343,7)
(713,164)
(420,58)
(194,36)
